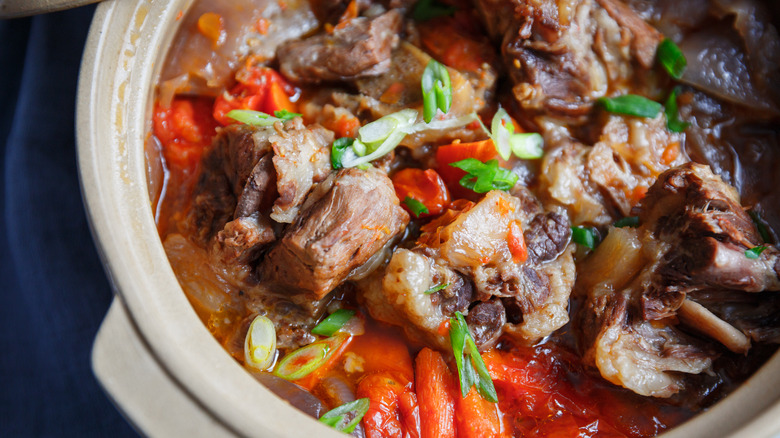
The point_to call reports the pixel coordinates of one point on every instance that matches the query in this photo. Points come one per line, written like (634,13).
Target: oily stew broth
(615,265)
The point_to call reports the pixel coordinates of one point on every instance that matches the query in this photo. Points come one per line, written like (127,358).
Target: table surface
(55,292)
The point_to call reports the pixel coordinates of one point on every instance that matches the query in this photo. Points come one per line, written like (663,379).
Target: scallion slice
(339,150)
(630,221)
(334,321)
(347,416)
(303,361)
(436,288)
(484,177)
(671,58)
(436,90)
(250,117)
(285,115)
(755,252)
(380,137)
(416,207)
(427,9)
(260,344)
(471,368)
(527,146)
(631,105)
(673,122)
(585,236)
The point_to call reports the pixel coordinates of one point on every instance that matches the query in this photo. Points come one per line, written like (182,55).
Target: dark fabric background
(54,290)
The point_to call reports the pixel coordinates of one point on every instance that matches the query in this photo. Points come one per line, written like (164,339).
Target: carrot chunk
(436,389)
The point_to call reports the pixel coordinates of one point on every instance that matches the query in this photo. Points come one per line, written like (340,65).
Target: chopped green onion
(303,361)
(484,177)
(338,151)
(285,115)
(673,122)
(755,252)
(333,322)
(527,146)
(436,288)
(671,58)
(250,117)
(347,416)
(427,9)
(381,136)
(260,344)
(763,231)
(417,208)
(631,105)
(585,236)
(630,221)
(471,371)
(436,90)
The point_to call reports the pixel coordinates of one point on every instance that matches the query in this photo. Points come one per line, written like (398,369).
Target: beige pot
(152,355)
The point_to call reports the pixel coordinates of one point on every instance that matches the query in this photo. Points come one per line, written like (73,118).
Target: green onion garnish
(250,117)
(334,321)
(427,9)
(631,105)
(379,137)
(763,231)
(471,371)
(673,122)
(671,58)
(260,344)
(347,416)
(303,361)
(338,150)
(436,288)
(436,90)
(527,146)
(484,177)
(417,208)
(630,221)
(755,252)
(585,236)
(285,115)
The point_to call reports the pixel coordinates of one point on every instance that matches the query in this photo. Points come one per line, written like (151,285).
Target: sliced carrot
(425,186)
(445,155)
(477,417)
(393,410)
(276,99)
(436,389)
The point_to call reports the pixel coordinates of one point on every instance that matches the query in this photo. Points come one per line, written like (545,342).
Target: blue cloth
(54,290)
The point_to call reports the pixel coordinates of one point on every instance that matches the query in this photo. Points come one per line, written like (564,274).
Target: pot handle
(23,8)
(141,388)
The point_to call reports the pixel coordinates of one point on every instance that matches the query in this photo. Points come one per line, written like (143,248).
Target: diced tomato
(445,155)
(425,186)
(258,89)
(185,129)
(393,410)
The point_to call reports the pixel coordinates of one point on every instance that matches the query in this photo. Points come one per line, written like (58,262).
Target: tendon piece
(339,232)
(302,159)
(360,48)
(639,355)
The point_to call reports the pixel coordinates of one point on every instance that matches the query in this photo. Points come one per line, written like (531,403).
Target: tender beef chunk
(336,234)
(486,322)
(563,55)
(301,159)
(547,236)
(361,48)
(647,287)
